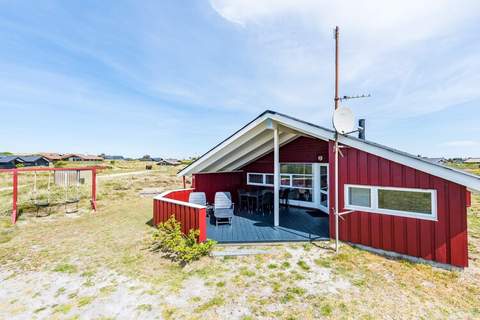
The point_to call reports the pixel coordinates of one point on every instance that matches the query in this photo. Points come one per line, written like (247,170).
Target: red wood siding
(215,182)
(188,216)
(303,149)
(443,241)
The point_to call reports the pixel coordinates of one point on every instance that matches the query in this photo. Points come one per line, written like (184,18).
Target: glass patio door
(323,186)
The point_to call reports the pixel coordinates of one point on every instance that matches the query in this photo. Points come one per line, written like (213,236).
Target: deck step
(239,252)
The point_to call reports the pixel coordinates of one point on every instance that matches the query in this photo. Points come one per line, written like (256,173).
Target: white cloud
(415,57)
(394,21)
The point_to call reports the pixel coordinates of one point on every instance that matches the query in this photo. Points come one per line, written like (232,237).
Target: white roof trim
(469,180)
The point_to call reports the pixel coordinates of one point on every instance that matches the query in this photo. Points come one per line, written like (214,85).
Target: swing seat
(41,204)
(72,201)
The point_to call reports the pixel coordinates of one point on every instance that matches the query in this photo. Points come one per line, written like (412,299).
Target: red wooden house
(398,202)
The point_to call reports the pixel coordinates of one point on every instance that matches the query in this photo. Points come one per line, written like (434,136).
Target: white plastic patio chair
(198,198)
(223,207)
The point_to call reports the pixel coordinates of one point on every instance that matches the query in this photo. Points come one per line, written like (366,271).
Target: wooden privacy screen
(189,215)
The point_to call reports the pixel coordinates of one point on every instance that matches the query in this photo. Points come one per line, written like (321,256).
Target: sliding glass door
(307,183)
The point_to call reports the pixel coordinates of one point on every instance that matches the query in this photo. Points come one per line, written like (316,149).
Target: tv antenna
(355,97)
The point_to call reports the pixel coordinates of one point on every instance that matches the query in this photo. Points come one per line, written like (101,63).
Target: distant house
(108,157)
(169,162)
(437,160)
(472,160)
(35,161)
(81,157)
(52,156)
(9,162)
(456,160)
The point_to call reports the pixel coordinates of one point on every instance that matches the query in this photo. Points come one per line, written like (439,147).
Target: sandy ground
(104,294)
(97,266)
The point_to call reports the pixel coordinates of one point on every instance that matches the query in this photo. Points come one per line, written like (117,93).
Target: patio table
(253,195)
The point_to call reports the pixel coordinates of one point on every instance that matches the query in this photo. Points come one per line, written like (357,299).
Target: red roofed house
(392,201)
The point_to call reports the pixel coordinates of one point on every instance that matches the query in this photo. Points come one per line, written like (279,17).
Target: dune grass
(296,281)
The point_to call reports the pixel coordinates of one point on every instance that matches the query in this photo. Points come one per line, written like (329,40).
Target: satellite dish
(343,120)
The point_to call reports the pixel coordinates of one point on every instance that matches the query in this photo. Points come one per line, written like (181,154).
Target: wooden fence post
(94,189)
(15,196)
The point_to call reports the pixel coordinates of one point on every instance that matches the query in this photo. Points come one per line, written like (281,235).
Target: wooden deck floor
(295,225)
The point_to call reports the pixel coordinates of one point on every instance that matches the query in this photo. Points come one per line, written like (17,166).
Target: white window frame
(374,202)
(264,179)
(315,189)
(290,175)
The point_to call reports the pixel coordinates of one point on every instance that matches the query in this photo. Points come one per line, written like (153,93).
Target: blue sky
(173,78)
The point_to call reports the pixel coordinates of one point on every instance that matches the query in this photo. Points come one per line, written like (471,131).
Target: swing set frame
(15,172)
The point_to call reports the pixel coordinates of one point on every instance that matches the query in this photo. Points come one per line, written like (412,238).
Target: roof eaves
(348,140)
(181,172)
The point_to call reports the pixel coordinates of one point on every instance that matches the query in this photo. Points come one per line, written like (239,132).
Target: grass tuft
(83,301)
(63,308)
(144,307)
(214,302)
(65,268)
(303,265)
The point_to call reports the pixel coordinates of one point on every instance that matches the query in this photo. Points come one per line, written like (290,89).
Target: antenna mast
(340,129)
(337,99)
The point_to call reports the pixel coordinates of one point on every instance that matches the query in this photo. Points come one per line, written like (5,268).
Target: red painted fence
(190,216)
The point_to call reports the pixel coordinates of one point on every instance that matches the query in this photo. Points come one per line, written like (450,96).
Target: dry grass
(293,282)
(469,167)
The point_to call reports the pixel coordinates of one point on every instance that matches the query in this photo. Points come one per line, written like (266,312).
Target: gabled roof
(52,156)
(254,140)
(32,158)
(7,159)
(82,156)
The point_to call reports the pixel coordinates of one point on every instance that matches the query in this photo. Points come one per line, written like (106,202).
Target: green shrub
(177,246)
(19,165)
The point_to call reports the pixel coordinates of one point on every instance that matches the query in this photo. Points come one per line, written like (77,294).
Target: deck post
(276,178)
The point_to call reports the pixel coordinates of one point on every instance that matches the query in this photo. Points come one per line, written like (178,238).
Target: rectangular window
(302,181)
(296,168)
(255,178)
(408,201)
(269,179)
(404,202)
(298,177)
(260,179)
(360,197)
(285,180)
